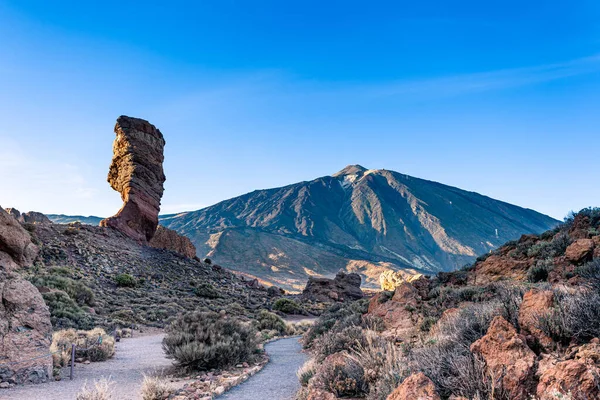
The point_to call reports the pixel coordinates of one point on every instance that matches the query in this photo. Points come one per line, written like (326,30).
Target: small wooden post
(72,360)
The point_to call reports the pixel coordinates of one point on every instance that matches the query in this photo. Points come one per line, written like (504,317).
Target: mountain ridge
(379,219)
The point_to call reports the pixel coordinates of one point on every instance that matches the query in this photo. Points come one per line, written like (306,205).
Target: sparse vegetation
(155,388)
(125,280)
(540,271)
(94,345)
(287,306)
(206,290)
(205,340)
(100,390)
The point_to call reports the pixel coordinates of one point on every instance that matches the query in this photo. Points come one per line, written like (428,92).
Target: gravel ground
(277,380)
(134,357)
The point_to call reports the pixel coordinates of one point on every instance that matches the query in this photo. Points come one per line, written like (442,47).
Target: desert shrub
(268,321)
(559,244)
(541,249)
(539,271)
(306,372)
(385,296)
(75,289)
(334,341)
(93,345)
(340,316)
(207,261)
(286,306)
(447,360)
(236,309)
(205,340)
(125,280)
(206,290)
(510,297)
(155,388)
(343,379)
(590,272)
(427,323)
(575,317)
(65,312)
(101,390)
(384,364)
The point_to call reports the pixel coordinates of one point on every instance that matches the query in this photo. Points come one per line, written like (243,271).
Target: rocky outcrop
(580,251)
(342,288)
(137,173)
(507,358)
(31,217)
(578,376)
(536,303)
(25,329)
(168,239)
(390,280)
(415,387)
(398,313)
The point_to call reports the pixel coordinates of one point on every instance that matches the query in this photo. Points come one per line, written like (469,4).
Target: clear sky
(498,97)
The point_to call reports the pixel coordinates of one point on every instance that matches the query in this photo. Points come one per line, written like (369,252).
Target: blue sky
(496,97)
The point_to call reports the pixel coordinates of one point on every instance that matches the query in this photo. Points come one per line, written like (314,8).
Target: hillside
(67,219)
(359,220)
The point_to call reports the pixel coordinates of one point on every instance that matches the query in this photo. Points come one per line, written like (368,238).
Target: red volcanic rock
(415,387)
(535,304)
(168,239)
(580,251)
(25,328)
(137,173)
(506,355)
(577,376)
(398,313)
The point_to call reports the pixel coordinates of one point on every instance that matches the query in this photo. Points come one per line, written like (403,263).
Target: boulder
(25,328)
(342,288)
(137,173)
(577,377)
(535,304)
(415,387)
(398,313)
(508,358)
(580,251)
(16,214)
(168,239)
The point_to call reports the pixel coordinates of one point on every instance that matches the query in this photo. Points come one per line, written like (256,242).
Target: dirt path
(134,357)
(277,380)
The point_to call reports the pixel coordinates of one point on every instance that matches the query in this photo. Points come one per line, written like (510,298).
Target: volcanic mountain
(359,220)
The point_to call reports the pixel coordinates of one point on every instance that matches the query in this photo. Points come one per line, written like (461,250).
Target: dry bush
(343,379)
(384,364)
(88,346)
(205,340)
(155,388)
(334,341)
(447,360)
(306,372)
(575,317)
(101,390)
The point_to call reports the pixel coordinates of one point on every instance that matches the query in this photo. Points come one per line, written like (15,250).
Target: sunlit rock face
(137,173)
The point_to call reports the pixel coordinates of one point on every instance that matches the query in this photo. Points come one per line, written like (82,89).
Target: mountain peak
(350,170)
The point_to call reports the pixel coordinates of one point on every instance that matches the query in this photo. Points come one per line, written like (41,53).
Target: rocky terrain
(136,172)
(359,220)
(67,219)
(25,329)
(520,323)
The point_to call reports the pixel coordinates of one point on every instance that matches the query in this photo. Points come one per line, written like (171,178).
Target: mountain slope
(67,219)
(357,219)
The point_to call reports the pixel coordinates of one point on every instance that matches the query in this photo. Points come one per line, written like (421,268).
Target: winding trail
(277,380)
(134,357)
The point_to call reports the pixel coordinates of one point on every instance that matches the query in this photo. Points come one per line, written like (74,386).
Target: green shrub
(539,271)
(286,306)
(206,290)
(75,289)
(590,272)
(205,340)
(272,322)
(125,280)
(66,313)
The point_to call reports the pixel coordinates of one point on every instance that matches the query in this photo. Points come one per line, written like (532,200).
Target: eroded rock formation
(31,217)
(415,387)
(168,239)
(343,287)
(137,173)
(25,328)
